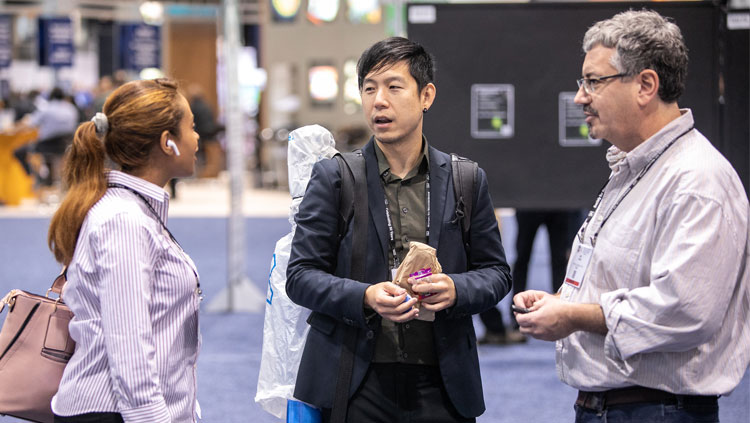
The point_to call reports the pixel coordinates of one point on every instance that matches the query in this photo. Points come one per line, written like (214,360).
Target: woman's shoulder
(114,210)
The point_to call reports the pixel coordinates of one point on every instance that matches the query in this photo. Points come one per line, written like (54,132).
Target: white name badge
(578,265)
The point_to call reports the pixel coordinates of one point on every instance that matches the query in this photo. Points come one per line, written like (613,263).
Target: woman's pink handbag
(34,348)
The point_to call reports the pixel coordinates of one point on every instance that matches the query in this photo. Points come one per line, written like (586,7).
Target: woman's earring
(424,110)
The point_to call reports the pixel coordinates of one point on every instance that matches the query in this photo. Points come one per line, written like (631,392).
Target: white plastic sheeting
(285,327)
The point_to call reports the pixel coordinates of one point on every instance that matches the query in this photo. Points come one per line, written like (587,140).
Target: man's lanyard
(158,218)
(632,185)
(391,232)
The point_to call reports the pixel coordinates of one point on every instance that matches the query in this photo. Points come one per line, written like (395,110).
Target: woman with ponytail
(134,292)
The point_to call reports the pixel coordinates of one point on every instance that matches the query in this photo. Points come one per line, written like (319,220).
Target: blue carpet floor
(520,381)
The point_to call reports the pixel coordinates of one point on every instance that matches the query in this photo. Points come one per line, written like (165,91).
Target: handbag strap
(57,286)
(59,283)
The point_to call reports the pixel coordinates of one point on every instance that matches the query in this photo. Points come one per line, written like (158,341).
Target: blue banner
(56,42)
(6,40)
(140,46)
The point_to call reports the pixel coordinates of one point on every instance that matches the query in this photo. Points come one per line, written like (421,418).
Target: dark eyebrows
(396,78)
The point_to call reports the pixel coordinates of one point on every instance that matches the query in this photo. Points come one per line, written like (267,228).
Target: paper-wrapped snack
(420,261)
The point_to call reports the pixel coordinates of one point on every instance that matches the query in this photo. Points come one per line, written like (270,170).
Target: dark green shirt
(411,342)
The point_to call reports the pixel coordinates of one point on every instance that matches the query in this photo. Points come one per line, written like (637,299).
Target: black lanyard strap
(632,185)
(391,231)
(150,208)
(161,222)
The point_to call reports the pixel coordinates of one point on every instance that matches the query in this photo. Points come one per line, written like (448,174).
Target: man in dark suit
(404,367)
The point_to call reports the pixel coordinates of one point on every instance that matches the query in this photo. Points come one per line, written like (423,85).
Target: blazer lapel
(376,198)
(439,178)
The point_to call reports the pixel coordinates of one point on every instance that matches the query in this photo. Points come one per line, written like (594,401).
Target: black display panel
(734,97)
(511,69)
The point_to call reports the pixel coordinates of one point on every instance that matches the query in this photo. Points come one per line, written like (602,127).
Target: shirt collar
(424,160)
(157,196)
(645,152)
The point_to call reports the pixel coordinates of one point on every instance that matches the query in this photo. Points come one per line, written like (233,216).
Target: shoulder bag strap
(465,174)
(59,283)
(353,186)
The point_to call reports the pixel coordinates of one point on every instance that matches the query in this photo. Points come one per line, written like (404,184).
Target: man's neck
(665,114)
(657,119)
(401,156)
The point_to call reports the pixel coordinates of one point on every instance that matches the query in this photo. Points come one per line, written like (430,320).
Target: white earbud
(172,145)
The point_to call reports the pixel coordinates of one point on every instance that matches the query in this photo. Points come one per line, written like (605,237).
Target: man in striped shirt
(651,323)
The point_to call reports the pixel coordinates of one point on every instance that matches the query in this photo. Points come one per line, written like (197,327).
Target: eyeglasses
(589,84)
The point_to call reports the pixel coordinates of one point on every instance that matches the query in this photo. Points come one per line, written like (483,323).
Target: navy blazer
(319,265)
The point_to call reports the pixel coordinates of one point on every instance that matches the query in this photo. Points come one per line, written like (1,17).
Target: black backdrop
(536,47)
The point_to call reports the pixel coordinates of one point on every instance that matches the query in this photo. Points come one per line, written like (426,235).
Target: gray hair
(644,40)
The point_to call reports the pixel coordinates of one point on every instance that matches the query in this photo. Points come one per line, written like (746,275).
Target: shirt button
(370,334)
(405,356)
(406,326)
(405,210)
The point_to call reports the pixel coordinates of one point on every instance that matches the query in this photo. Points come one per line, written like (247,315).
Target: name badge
(578,265)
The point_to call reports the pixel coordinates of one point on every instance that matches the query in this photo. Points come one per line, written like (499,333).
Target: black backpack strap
(346,200)
(353,185)
(465,174)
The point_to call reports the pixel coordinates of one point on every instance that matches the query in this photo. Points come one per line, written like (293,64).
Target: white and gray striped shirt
(670,270)
(134,295)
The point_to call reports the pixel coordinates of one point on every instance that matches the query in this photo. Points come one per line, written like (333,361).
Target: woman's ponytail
(84,177)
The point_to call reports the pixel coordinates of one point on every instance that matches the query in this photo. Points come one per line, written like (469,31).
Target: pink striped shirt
(133,293)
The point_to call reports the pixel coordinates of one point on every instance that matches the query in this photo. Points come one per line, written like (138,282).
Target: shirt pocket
(618,249)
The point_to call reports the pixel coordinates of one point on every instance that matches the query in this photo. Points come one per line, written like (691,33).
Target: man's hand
(437,291)
(551,318)
(526,299)
(388,300)
(548,319)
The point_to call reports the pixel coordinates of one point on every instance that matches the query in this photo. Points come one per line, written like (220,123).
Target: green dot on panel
(584,130)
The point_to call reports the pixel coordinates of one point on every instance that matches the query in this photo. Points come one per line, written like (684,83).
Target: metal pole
(240,294)
(400,27)
(395,23)
(236,155)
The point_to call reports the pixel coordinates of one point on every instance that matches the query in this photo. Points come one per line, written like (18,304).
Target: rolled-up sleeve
(124,251)
(692,276)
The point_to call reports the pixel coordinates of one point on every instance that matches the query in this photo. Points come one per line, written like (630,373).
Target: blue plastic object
(299,412)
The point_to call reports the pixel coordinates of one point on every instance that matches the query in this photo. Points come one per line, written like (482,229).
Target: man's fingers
(405,306)
(431,288)
(390,301)
(393,289)
(402,317)
(436,302)
(394,306)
